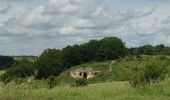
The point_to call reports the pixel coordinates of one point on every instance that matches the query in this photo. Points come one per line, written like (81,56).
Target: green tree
(20,69)
(110,48)
(72,56)
(49,64)
(6,62)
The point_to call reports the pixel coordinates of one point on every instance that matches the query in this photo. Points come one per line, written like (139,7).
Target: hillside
(110,71)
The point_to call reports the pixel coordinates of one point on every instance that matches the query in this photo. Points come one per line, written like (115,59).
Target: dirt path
(110,66)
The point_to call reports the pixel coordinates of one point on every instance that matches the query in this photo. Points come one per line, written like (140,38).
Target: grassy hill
(119,69)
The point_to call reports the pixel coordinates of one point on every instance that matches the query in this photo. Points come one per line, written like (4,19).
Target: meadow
(100,91)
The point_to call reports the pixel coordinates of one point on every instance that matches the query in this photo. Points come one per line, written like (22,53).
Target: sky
(27,27)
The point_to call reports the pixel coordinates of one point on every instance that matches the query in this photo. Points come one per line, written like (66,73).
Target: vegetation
(153,72)
(49,63)
(80,82)
(20,69)
(2,72)
(51,82)
(102,91)
(105,49)
(53,62)
(145,68)
(150,50)
(5,62)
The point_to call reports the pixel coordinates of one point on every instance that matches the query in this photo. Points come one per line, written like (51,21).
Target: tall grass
(102,91)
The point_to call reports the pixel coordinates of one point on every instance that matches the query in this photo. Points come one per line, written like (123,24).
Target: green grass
(2,71)
(100,91)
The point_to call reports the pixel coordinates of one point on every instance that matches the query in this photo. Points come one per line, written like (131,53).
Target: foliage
(21,69)
(105,49)
(150,50)
(51,82)
(6,62)
(49,63)
(153,72)
(52,62)
(80,82)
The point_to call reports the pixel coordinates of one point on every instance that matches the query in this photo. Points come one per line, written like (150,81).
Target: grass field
(101,91)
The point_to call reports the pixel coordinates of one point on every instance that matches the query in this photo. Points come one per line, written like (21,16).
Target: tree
(6,62)
(50,63)
(20,69)
(110,48)
(159,48)
(72,56)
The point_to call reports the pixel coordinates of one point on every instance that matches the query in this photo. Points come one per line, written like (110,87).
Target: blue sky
(27,27)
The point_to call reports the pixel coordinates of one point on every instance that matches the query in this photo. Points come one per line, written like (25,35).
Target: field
(107,85)
(101,91)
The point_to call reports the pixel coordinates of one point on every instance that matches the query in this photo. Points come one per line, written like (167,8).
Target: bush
(51,82)
(5,78)
(153,72)
(20,69)
(80,82)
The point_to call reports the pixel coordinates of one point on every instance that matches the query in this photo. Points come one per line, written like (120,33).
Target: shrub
(5,78)
(51,82)
(80,82)
(20,69)
(153,72)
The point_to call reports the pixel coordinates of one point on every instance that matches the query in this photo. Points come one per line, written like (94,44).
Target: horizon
(27,27)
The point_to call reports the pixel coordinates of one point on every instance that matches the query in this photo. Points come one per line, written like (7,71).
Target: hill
(110,71)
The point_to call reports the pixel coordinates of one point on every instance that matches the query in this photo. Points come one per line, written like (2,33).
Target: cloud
(147,10)
(62,22)
(4,8)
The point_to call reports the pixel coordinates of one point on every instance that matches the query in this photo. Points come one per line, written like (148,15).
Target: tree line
(52,62)
(6,62)
(150,50)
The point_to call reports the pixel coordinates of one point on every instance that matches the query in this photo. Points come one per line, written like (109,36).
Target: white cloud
(63,22)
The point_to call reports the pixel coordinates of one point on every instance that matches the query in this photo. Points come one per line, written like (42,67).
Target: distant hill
(31,58)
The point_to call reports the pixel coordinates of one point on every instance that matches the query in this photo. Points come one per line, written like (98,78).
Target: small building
(87,73)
